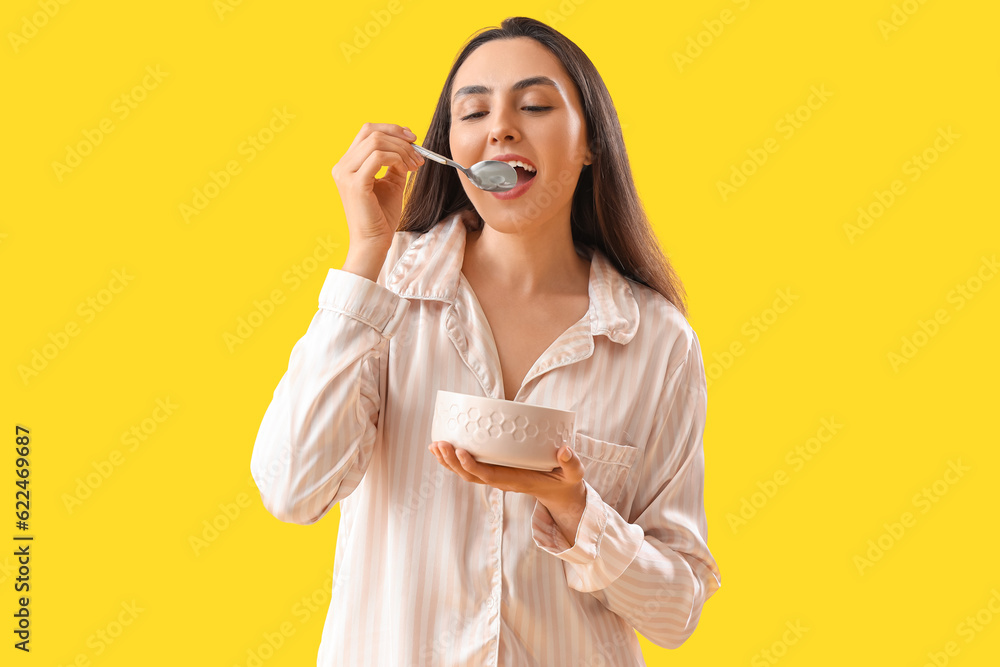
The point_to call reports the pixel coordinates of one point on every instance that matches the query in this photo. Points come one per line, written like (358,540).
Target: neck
(536,260)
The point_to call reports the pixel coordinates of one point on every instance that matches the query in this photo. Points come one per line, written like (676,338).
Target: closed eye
(480,114)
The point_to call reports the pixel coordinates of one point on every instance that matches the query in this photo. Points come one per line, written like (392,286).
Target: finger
(448,453)
(387,128)
(410,160)
(469,462)
(438,450)
(354,159)
(500,477)
(394,175)
(377,160)
(570,463)
(366,162)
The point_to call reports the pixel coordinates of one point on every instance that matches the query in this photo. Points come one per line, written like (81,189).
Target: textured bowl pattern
(502,432)
(483,425)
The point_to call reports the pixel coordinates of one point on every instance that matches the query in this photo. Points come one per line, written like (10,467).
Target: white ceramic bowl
(501,432)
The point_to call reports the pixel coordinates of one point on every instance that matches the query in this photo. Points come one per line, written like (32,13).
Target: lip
(514,192)
(504,157)
(518,190)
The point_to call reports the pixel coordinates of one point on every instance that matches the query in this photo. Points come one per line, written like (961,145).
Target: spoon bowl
(488,175)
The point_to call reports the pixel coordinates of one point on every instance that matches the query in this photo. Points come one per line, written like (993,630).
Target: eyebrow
(480,89)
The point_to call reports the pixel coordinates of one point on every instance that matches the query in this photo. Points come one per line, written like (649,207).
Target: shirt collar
(430,268)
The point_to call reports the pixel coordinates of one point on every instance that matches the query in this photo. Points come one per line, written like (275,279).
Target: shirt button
(489,603)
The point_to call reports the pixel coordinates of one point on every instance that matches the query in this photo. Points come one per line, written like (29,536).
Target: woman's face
(513,96)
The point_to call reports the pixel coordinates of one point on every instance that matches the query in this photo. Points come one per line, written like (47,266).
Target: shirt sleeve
(656,572)
(318,433)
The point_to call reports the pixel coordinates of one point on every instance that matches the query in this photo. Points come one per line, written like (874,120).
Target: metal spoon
(489,175)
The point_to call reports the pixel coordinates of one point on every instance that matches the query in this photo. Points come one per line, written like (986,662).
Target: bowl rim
(504,401)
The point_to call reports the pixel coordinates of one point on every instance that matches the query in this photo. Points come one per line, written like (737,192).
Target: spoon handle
(437,158)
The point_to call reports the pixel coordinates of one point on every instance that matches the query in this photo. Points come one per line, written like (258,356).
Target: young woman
(555,293)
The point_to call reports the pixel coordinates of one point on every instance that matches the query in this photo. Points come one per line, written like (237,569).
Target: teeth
(518,163)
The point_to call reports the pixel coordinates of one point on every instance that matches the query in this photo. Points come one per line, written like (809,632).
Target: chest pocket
(606,465)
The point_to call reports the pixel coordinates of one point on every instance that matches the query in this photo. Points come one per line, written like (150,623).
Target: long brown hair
(606,211)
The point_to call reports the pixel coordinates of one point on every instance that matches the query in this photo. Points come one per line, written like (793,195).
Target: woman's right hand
(373,205)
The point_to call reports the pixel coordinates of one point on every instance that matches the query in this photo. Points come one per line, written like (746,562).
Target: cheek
(572,135)
(462,147)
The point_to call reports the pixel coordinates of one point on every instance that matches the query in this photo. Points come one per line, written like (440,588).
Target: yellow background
(827,356)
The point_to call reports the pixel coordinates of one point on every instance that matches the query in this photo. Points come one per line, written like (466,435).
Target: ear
(589,159)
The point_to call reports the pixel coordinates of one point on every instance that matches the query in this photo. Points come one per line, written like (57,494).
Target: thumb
(572,466)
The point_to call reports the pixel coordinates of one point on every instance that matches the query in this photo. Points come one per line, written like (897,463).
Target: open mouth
(523,175)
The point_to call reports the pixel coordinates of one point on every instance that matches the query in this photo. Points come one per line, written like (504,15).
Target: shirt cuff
(364,300)
(604,547)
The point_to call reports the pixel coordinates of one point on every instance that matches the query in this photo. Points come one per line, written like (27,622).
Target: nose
(504,128)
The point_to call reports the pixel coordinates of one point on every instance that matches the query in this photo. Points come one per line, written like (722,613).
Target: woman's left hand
(560,486)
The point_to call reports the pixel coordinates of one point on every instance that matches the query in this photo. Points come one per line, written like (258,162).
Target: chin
(505,221)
